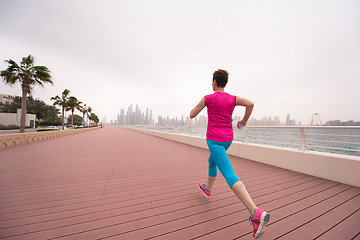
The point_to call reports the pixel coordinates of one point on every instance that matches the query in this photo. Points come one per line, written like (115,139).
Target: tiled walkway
(113,183)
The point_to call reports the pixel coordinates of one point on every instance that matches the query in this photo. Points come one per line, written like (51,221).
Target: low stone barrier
(334,167)
(12,140)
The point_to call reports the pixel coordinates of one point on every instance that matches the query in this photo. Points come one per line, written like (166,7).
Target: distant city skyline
(135,116)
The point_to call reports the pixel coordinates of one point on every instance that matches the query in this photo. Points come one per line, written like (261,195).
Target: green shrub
(10,127)
(45,130)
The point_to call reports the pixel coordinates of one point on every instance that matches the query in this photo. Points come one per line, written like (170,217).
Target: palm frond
(28,61)
(12,65)
(8,77)
(42,75)
(57,100)
(65,93)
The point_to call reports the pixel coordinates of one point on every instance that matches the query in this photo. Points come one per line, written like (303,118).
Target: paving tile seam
(130,176)
(355,236)
(148,182)
(192,206)
(338,223)
(219,200)
(112,224)
(304,209)
(219,229)
(192,225)
(255,169)
(294,229)
(121,178)
(164,222)
(130,187)
(299,211)
(223,184)
(307,207)
(342,214)
(96,191)
(71,210)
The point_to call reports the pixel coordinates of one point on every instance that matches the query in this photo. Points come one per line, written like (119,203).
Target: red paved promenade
(113,183)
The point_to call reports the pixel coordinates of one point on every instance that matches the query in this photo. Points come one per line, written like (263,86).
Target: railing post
(176,129)
(190,131)
(246,136)
(303,140)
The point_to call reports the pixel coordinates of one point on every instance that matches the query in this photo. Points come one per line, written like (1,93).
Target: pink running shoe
(203,189)
(259,220)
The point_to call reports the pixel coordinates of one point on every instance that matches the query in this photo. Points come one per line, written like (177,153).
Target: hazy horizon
(288,57)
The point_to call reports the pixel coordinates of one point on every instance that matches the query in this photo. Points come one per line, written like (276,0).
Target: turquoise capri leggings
(219,159)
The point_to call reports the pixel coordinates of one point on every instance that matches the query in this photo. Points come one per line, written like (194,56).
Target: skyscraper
(288,121)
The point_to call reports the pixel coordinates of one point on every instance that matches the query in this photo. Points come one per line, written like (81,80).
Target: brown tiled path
(113,183)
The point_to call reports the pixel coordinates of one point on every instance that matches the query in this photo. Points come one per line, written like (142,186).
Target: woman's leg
(240,191)
(218,153)
(210,183)
(212,173)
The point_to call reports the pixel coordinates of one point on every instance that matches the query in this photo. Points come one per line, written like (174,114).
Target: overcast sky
(288,57)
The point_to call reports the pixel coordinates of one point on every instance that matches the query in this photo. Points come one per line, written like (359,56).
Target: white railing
(341,140)
(310,138)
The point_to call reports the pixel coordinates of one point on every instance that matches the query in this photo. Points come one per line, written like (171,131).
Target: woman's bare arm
(248,108)
(196,110)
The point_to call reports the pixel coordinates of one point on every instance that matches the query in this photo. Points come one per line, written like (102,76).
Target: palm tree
(81,109)
(62,101)
(28,75)
(89,111)
(72,103)
(94,118)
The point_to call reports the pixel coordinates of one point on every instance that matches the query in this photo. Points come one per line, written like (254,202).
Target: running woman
(219,136)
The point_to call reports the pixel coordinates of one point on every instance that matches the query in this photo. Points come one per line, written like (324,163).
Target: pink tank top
(220,106)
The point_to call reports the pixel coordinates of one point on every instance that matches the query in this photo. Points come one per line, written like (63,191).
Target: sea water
(339,141)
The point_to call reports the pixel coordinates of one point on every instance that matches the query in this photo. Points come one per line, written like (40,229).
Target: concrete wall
(335,167)
(7,119)
(12,140)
